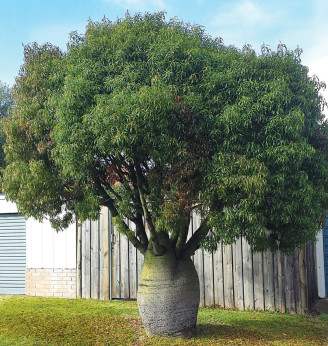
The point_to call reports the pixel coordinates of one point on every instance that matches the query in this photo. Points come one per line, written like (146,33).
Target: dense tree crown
(153,118)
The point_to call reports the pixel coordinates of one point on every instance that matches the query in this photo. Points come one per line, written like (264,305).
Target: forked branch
(193,243)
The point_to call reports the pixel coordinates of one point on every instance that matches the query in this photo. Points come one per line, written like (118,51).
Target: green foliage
(153,118)
(6,99)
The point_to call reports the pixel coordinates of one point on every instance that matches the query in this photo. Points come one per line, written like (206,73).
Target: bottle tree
(154,118)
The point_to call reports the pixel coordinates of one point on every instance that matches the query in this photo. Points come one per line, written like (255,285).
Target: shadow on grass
(258,331)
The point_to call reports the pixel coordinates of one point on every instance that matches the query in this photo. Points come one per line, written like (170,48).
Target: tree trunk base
(168,296)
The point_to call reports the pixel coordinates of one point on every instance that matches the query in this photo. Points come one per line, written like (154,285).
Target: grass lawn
(47,321)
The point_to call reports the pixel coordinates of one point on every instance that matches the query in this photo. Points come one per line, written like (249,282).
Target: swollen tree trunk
(168,295)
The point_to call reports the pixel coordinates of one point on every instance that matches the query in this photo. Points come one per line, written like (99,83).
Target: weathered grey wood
(124,258)
(104,253)
(275,259)
(199,259)
(83,260)
(297,283)
(199,265)
(94,254)
(132,269)
(248,276)
(268,280)
(311,275)
(191,231)
(208,279)
(228,276)
(289,283)
(281,278)
(238,274)
(101,255)
(303,280)
(258,281)
(87,261)
(218,277)
(116,272)
(140,261)
(190,228)
(79,259)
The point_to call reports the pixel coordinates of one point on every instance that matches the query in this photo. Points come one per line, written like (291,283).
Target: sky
(295,23)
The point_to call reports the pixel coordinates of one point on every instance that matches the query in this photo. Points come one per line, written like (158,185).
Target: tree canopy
(153,118)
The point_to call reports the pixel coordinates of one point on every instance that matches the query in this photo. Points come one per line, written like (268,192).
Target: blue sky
(293,22)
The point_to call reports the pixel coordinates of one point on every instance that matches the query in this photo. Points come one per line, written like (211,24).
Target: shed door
(12,254)
(325,247)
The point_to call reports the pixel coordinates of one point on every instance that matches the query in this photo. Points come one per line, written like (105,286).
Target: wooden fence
(231,277)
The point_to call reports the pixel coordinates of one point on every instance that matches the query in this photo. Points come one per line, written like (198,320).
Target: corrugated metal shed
(12,254)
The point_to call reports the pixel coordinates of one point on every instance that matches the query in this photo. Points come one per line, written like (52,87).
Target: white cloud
(244,13)
(317,61)
(140,5)
(316,52)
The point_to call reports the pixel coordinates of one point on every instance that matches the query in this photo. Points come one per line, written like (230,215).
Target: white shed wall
(45,248)
(7,207)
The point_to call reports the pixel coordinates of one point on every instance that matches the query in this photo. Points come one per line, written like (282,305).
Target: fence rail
(231,277)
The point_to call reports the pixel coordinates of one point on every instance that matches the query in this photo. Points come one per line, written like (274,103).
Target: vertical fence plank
(289,284)
(107,230)
(104,233)
(94,258)
(303,280)
(87,260)
(268,278)
(132,268)
(218,277)
(83,259)
(238,274)
(190,229)
(79,260)
(228,276)
(140,260)
(101,235)
(116,271)
(199,258)
(248,276)
(281,279)
(275,258)
(199,265)
(311,275)
(124,257)
(297,283)
(208,279)
(258,281)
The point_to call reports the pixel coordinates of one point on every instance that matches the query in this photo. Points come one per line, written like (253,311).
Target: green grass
(46,321)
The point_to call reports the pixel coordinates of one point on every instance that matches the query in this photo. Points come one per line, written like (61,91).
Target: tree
(153,118)
(6,102)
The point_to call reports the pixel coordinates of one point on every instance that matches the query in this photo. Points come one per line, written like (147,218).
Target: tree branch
(182,235)
(157,248)
(193,243)
(107,201)
(140,229)
(124,229)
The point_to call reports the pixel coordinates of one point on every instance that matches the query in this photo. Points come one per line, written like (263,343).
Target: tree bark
(168,295)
